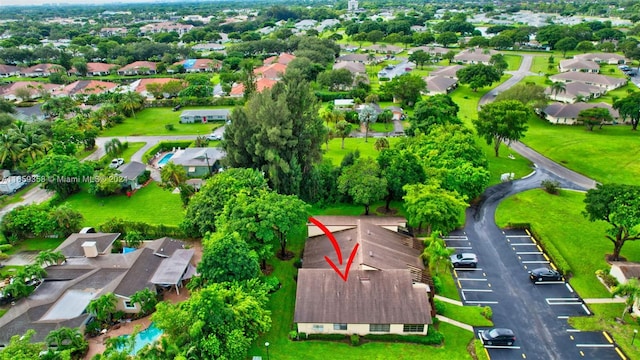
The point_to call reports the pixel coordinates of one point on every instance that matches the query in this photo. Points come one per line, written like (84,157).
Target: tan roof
(573,89)
(475,54)
(578,64)
(367,297)
(601,57)
(34,85)
(139,64)
(589,78)
(354,67)
(39,68)
(439,83)
(571,111)
(354,57)
(8,69)
(448,71)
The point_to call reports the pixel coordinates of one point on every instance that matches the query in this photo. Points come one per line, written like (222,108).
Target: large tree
(528,94)
(363,183)
(367,116)
(478,75)
(406,88)
(434,206)
(502,121)
(629,108)
(399,168)
(227,258)
(594,116)
(434,110)
(21,347)
(279,132)
(61,173)
(420,58)
(208,203)
(618,205)
(566,44)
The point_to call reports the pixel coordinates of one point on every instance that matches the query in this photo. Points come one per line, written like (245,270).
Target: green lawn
(151,204)
(558,220)
(470,315)
(335,153)
(617,94)
(132,149)
(356,210)
(152,121)
(381,127)
(3,311)
(540,64)
(593,153)
(35,245)
(513,61)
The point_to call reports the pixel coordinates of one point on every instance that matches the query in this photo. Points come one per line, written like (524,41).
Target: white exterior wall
(564,121)
(360,329)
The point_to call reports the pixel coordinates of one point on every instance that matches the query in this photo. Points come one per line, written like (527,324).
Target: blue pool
(144,337)
(165,159)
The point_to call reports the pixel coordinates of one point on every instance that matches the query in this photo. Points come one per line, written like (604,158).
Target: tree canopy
(502,121)
(61,173)
(434,206)
(434,110)
(227,258)
(478,75)
(363,183)
(629,108)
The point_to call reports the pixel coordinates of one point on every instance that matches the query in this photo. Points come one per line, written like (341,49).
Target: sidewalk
(455,323)
(615,300)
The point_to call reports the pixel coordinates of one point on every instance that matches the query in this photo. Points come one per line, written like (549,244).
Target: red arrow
(336,247)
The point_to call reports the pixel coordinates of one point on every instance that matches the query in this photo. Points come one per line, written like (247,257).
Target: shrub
(293,335)
(272,282)
(116,225)
(327,337)
(608,279)
(297,263)
(487,312)
(355,339)
(170,127)
(144,177)
(437,284)
(551,186)
(440,307)
(433,337)
(165,146)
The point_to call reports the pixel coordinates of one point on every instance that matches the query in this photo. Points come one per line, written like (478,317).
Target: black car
(464,259)
(544,274)
(497,336)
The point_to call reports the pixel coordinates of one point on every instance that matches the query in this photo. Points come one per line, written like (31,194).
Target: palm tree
(9,149)
(558,87)
(33,146)
(368,115)
(49,257)
(147,300)
(343,129)
(131,101)
(66,338)
(113,147)
(437,254)
(631,290)
(173,175)
(103,307)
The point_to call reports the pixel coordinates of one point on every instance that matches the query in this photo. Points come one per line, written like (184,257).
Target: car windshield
(494,333)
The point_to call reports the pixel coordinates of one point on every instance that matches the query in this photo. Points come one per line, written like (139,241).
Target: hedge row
(548,247)
(332,95)
(433,337)
(165,146)
(195,101)
(149,231)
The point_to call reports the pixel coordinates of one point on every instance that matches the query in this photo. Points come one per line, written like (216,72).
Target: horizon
(21,3)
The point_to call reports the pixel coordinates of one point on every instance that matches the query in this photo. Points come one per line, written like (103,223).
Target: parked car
(214,137)
(464,259)
(116,163)
(544,274)
(497,336)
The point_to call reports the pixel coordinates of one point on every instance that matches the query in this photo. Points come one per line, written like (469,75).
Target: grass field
(335,153)
(602,154)
(513,61)
(152,121)
(558,219)
(35,245)
(151,204)
(471,315)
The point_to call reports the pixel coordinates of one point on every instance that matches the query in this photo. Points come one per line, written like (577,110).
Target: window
(339,326)
(129,305)
(413,328)
(318,327)
(379,327)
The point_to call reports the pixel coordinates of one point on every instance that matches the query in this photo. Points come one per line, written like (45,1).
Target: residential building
(435,51)
(475,56)
(359,58)
(130,172)
(355,68)
(237,90)
(567,114)
(37,89)
(352,5)
(96,69)
(198,162)
(447,71)
(204,116)
(138,68)
(283,59)
(575,91)
(579,65)
(606,82)
(9,70)
(440,84)
(603,58)
(385,49)
(273,71)
(90,271)
(113,31)
(306,24)
(386,291)
(181,29)
(40,70)
(391,71)
(199,65)
(85,87)
(140,86)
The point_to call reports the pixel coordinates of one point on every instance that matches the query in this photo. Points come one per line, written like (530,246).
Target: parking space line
(569,287)
(517,236)
(468,269)
(472,279)
(584,307)
(501,347)
(548,282)
(460,239)
(456,237)
(528,253)
(607,336)
(562,316)
(460,247)
(538,246)
(463,297)
(621,354)
(535,262)
(476,290)
(573,330)
(481,302)
(596,345)
(524,244)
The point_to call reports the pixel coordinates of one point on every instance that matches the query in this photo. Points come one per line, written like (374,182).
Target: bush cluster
(149,231)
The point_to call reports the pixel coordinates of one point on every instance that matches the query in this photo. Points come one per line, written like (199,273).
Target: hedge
(331,95)
(433,337)
(165,146)
(547,247)
(195,101)
(149,231)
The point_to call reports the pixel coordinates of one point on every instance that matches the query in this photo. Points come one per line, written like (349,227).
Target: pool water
(165,159)
(144,338)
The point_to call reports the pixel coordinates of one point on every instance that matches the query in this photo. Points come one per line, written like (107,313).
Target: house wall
(564,121)
(120,306)
(360,329)
(617,273)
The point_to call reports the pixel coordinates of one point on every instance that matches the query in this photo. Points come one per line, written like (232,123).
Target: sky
(69,2)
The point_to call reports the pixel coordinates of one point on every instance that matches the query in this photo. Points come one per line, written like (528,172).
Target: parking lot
(537,312)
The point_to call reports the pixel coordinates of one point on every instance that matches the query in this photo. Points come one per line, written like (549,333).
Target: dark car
(544,274)
(497,336)
(464,260)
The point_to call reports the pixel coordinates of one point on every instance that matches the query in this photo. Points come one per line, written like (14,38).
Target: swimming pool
(165,159)
(144,338)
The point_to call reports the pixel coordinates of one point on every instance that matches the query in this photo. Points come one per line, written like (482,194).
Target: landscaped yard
(151,204)
(602,154)
(335,153)
(35,245)
(558,220)
(152,121)
(513,61)
(471,315)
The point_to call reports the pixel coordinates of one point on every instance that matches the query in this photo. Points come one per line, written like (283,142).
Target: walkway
(455,323)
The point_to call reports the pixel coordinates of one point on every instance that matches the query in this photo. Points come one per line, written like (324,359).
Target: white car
(214,137)
(116,163)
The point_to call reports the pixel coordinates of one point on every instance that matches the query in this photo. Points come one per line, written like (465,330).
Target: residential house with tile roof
(603,58)
(10,91)
(199,65)
(138,68)
(475,56)
(567,114)
(85,87)
(96,69)
(579,65)
(9,70)
(575,91)
(607,82)
(161,27)
(40,70)
(283,59)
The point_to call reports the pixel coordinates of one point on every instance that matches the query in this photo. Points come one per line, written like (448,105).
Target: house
(10,91)
(283,59)
(559,113)
(606,82)
(435,51)
(327,23)
(138,68)
(95,69)
(199,162)
(579,65)
(130,172)
(9,70)
(603,58)
(203,116)
(385,49)
(237,90)
(113,31)
(306,24)
(474,56)
(355,68)
(40,70)
(180,29)
(623,271)
(272,71)
(386,291)
(574,91)
(343,104)
(208,47)
(440,84)
(85,87)
(358,58)
(90,271)
(140,86)
(391,71)
(199,65)
(447,71)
